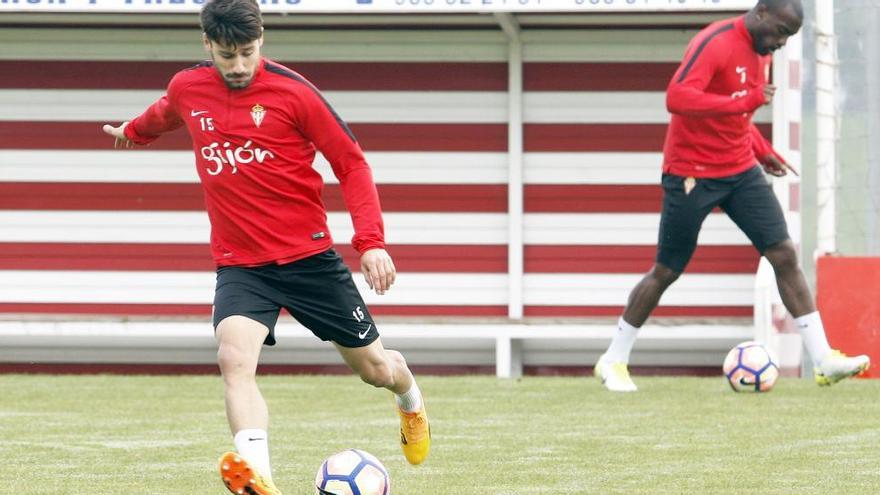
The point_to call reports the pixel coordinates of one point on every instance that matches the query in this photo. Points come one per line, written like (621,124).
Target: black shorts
(747,198)
(318,291)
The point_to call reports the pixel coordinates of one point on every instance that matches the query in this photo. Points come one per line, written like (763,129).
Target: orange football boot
(242,479)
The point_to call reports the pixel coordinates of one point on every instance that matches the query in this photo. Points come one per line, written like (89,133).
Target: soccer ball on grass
(751,367)
(352,472)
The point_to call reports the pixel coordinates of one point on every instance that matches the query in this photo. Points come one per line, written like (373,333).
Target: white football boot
(614,375)
(837,366)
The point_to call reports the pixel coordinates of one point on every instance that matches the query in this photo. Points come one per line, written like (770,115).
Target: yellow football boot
(241,479)
(614,375)
(415,434)
(837,366)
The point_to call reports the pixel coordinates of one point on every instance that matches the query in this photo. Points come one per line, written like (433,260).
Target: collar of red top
(740,25)
(261,68)
(258,73)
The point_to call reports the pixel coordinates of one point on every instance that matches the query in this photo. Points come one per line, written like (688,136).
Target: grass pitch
(138,435)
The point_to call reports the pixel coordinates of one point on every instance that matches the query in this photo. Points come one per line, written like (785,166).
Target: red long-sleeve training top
(712,98)
(254,149)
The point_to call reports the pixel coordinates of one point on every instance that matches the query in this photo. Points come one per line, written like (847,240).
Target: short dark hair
(777,5)
(232,22)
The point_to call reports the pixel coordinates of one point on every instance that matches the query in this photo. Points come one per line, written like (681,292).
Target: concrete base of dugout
(472,347)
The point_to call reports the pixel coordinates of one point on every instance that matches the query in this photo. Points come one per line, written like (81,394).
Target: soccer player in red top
(711,159)
(255,127)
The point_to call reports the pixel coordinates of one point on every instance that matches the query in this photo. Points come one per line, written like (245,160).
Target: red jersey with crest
(254,150)
(712,97)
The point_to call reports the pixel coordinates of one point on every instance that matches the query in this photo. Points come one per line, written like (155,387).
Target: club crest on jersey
(689,184)
(258,113)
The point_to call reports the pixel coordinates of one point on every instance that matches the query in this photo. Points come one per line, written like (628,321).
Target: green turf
(161,435)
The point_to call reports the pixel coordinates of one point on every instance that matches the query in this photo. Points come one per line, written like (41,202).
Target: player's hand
(119,134)
(769,92)
(378,269)
(776,167)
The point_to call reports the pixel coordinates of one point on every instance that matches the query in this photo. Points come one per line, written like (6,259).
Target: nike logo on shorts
(363,335)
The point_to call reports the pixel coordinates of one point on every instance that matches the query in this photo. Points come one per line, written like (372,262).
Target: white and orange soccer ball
(751,367)
(352,472)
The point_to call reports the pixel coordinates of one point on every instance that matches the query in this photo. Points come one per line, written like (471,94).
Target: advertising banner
(381,6)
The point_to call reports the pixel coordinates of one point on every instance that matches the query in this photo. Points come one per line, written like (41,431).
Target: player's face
(774,28)
(237,64)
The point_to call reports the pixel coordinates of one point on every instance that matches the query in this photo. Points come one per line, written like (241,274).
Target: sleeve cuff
(362,246)
(134,137)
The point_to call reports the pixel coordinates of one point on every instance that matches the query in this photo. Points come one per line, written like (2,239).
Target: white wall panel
(192,227)
(109,165)
(46,286)
(139,166)
(409,288)
(381,107)
(429,167)
(401,228)
(592,168)
(450,107)
(613,107)
(100,226)
(640,107)
(74,105)
(644,107)
(600,45)
(473,107)
(600,289)
(619,229)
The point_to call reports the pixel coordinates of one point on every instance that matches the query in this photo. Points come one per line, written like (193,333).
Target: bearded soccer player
(713,157)
(255,127)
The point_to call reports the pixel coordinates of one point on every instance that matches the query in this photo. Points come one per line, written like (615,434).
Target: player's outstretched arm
(119,133)
(378,269)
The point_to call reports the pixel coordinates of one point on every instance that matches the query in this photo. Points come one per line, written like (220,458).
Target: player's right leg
(240,340)
(686,203)
(612,367)
(244,320)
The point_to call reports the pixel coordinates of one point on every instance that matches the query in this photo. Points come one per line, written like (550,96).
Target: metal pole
(826,128)
(872,80)
(515,241)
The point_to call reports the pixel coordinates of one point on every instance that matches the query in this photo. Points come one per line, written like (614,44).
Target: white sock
(253,446)
(410,401)
(813,333)
(622,342)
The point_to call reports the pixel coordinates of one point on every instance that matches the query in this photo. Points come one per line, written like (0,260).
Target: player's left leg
(322,295)
(829,365)
(756,210)
(385,368)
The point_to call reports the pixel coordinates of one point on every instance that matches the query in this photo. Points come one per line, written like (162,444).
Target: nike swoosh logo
(193,113)
(255,439)
(363,335)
